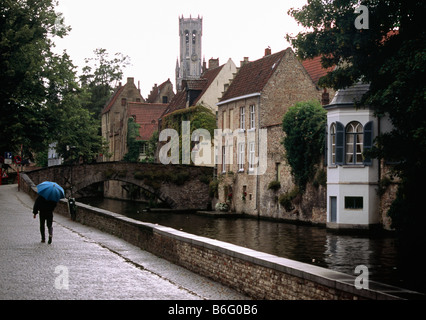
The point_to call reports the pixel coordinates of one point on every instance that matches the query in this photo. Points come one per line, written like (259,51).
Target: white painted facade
(352,199)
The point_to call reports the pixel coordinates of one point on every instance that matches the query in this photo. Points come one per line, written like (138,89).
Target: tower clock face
(194,57)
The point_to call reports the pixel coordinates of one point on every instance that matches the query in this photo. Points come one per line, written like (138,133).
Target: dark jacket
(44,206)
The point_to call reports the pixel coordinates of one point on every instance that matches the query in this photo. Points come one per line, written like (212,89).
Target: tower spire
(189,63)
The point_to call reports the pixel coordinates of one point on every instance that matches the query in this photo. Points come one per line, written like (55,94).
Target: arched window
(194,37)
(354,143)
(333,143)
(187,41)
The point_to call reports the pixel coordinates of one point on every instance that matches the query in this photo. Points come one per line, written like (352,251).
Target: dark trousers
(48,220)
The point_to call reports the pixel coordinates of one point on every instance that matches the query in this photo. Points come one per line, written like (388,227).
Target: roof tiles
(146,115)
(253,76)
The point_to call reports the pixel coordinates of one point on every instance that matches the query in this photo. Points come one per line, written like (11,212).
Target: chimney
(213,63)
(243,63)
(325,98)
(130,80)
(268,51)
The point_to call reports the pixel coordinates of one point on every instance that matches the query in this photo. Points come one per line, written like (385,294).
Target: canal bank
(388,260)
(257,274)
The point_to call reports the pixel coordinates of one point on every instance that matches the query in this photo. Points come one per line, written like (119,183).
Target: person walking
(45,207)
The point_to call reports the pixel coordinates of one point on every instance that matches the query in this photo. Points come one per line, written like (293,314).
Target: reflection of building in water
(343,251)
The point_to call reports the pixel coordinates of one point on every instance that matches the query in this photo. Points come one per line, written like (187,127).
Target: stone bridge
(179,186)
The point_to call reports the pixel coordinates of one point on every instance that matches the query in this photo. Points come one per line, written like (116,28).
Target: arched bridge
(179,186)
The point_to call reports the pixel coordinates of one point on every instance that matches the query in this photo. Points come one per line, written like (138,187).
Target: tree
(304,125)
(391,56)
(26,32)
(133,144)
(40,99)
(100,76)
(199,116)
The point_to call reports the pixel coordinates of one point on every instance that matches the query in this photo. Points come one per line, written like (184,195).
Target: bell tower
(189,64)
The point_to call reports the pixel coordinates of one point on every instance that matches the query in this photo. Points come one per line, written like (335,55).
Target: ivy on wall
(133,145)
(199,116)
(304,125)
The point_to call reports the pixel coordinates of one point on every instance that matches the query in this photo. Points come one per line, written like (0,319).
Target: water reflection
(382,255)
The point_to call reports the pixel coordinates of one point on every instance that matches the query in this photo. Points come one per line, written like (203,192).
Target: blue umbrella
(50,191)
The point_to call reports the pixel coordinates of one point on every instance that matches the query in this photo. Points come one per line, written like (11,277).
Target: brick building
(114,119)
(127,102)
(161,94)
(255,102)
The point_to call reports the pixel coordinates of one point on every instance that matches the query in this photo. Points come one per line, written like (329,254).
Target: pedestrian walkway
(84,263)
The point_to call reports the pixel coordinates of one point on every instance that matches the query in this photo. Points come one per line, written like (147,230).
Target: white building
(352,180)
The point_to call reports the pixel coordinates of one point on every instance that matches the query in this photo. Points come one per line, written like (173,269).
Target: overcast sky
(148,32)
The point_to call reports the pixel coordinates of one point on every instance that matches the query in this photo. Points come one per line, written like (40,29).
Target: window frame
(223,159)
(242,117)
(241,158)
(354,202)
(353,140)
(252,155)
(252,110)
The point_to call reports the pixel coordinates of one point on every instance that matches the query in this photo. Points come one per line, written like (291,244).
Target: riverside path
(83,263)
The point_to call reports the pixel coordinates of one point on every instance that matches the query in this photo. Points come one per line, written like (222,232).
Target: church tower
(189,64)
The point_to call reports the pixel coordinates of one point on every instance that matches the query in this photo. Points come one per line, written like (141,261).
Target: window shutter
(368,141)
(340,142)
(326,146)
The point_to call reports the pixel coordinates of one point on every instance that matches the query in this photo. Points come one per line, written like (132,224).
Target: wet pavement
(84,263)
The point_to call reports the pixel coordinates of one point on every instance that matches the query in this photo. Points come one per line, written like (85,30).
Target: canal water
(388,261)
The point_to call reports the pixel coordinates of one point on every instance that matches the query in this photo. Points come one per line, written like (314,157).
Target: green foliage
(393,64)
(304,140)
(286,199)
(199,116)
(320,178)
(152,147)
(41,101)
(100,75)
(28,72)
(214,188)
(133,145)
(274,185)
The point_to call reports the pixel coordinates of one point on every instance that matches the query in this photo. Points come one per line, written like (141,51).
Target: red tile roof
(146,115)
(178,102)
(253,76)
(315,69)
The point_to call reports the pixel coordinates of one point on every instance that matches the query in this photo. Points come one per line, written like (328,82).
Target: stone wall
(256,274)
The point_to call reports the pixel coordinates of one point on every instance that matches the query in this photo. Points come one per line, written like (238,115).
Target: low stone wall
(256,274)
